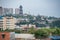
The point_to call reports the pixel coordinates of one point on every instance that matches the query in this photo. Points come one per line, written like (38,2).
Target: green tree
(55,23)
(40,34)
(38,18)
(31,30)
(56,32)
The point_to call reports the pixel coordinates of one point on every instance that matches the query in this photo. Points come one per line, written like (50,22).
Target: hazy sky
(35,7)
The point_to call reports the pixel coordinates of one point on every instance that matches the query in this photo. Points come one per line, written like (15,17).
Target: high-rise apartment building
(17,11)
(4,11)
(7,11)
(1,23)
(1,11)
(7,22)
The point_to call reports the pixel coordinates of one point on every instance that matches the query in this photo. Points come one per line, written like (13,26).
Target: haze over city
(35,7)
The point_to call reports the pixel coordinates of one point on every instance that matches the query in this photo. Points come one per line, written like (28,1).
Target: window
(3,36)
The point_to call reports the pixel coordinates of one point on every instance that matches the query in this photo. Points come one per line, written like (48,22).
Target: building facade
(4,11)
(7,11)
(17,11)
(7,36)
(24,37)
(1,23)
(1,11)
(21,10)
(4,36)
(7,23)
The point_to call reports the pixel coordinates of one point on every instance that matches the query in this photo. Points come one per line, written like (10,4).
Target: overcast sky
(35,7)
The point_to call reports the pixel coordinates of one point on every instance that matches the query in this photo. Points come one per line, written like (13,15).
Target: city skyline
(35,7)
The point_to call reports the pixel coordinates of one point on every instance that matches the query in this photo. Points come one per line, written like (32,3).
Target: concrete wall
(12,35)
(23,39)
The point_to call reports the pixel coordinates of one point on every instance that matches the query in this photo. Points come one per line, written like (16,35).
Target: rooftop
(26,36)
(1,17)
(55,37)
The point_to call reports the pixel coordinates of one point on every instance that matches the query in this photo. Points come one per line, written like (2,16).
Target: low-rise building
(24,37)
(7,36)
(25,27)
(31,25)
(4,36)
